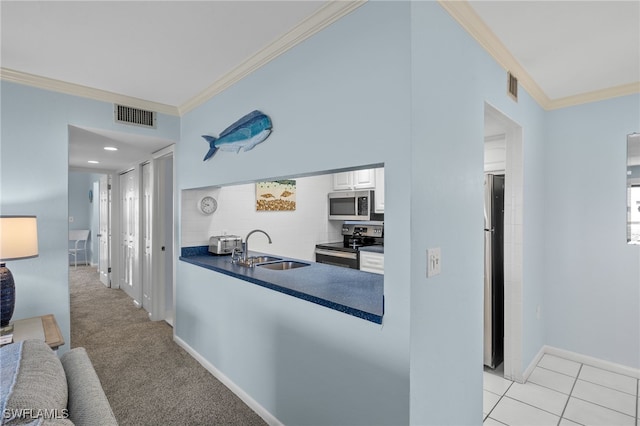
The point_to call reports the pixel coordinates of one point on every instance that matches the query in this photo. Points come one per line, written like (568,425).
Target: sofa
(38,388)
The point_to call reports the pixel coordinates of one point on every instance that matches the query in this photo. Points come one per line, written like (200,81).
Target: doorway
(503,134)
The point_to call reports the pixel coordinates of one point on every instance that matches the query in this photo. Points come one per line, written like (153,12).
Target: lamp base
(7,296)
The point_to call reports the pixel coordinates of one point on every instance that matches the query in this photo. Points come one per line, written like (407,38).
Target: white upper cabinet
(364,179)
(379,198)
(359,179)
(342,181)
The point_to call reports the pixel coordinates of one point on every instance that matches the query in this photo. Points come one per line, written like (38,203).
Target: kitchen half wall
(294,233)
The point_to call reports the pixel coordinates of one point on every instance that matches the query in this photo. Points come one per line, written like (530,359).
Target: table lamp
(18,240)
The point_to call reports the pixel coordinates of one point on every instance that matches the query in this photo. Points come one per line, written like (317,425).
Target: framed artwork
(278,195)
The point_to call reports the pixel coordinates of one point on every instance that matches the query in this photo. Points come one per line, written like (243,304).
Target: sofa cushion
(33,384)
(88,405)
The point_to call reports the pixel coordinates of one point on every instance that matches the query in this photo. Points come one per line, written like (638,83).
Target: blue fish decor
(245,133)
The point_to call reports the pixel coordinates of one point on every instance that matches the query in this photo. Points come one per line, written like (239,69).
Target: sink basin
(284,265)
(262,259)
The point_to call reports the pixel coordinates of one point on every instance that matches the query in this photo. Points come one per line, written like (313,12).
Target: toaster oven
(224,244)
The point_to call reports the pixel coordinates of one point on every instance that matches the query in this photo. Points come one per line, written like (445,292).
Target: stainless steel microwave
(350,205)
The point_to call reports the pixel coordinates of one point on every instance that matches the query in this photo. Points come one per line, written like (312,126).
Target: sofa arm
(88,405)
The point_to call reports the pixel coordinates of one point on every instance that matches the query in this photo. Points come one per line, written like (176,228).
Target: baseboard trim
(534,363)
(583,359)
(269,418)
(594,362)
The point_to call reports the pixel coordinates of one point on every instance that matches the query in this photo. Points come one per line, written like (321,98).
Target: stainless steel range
(346,253)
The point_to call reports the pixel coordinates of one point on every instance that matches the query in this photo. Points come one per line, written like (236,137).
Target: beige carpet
(148,379)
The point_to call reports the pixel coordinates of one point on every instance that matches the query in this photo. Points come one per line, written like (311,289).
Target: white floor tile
(551,379)
(495,384)
(492,422)
(560,365)
(489,400)
(565,422)
(594,415)
(516,413)
(538,396)
(611,380)
(607,397)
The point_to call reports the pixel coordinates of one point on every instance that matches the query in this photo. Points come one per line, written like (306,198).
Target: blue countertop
(346,290)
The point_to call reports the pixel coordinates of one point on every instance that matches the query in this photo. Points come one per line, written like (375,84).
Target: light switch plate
(434,262)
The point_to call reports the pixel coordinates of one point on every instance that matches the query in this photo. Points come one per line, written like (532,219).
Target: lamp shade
(18,237)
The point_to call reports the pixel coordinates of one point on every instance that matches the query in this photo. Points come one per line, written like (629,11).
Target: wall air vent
(512,86)
(137,117)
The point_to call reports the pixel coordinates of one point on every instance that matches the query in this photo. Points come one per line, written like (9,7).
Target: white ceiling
(569,47)
(169,52)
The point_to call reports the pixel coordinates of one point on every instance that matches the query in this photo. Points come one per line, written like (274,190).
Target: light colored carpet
(147,377)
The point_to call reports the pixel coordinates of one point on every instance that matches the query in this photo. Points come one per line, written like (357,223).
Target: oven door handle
(335,253)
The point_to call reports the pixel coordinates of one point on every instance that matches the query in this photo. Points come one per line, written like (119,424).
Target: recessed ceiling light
(110,148)
(93,162)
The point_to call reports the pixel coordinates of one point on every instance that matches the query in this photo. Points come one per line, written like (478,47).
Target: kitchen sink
(284,265)
(263,259)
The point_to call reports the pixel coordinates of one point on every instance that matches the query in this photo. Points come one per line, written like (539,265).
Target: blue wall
(34,180)
(593,291)
(397,83)
(339,99)
(452,79)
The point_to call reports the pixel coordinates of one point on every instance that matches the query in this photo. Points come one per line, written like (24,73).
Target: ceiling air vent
(135,116)
(512,86)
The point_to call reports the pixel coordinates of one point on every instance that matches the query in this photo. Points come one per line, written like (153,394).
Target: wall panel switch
(434,262)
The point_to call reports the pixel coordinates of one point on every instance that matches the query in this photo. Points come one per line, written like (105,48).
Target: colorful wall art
(279,195)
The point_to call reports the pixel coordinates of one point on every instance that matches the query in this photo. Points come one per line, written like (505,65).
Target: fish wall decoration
(244,134)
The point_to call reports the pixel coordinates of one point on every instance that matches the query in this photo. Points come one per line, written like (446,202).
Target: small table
(43,327)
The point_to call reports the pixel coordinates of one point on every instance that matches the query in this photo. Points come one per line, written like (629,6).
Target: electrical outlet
(434,262)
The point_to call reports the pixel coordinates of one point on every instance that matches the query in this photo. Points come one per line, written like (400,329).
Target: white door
(129,235)
(105,231)
(147,231)
(165,279)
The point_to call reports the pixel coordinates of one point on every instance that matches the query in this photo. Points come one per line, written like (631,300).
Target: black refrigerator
(493,270)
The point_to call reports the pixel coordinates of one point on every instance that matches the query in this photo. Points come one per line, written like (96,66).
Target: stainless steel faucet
(245,258)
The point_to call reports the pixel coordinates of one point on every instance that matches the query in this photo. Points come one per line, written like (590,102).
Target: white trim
(245,397)
(467,17)
(533,364)
(462,12)
(598,95)
(323,17)
(513,237)
(592,361)
(83,91)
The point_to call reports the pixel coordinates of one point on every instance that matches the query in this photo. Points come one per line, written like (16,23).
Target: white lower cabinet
(372,262)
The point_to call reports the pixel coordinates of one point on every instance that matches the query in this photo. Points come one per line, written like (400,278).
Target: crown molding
(83,91)
(323,17)
(595,96)
(462,12)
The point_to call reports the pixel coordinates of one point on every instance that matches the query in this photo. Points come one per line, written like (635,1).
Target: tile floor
(560,392)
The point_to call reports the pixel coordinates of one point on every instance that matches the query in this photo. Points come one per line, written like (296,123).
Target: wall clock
(207,205)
